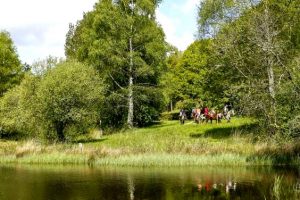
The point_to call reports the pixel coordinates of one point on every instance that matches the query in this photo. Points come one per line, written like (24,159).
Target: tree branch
(116,82)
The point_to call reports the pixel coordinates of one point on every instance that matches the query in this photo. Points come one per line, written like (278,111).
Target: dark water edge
(27,182)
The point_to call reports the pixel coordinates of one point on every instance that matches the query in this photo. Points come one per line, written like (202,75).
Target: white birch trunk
(270,64)
(272,94)
(130,88)
(130,83)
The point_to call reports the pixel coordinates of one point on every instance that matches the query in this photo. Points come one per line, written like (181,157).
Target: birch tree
(125,43)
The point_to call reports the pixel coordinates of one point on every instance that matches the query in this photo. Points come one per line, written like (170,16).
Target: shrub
(69,95)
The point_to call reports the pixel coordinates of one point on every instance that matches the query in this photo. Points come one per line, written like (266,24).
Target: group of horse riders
(204,114)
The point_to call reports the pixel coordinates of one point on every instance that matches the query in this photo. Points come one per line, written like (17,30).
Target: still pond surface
(19,182)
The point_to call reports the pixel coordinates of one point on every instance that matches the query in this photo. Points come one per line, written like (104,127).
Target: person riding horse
(196,115)
(182,116)
(227,112)
(213,115)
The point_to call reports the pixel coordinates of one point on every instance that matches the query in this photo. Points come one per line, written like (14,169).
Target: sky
(38,27)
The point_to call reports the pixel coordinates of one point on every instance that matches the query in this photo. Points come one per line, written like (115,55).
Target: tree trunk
(269,45)
(272,95)
(60,131)
(130,88)
(130,84)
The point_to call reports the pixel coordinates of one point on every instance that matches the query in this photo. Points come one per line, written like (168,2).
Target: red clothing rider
(206,111)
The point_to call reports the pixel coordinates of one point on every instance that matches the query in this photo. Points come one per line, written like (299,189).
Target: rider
(182,116)
(206,111)
(227,108)
(227,111)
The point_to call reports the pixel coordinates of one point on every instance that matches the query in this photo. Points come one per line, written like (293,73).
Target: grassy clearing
(164,144)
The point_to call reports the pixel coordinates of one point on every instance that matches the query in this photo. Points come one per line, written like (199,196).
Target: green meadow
(164,144)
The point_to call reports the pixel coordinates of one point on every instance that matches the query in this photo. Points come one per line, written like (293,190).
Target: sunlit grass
(171,137)
(165,144)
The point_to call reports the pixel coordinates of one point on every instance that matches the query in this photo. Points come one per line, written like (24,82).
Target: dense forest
(119,71)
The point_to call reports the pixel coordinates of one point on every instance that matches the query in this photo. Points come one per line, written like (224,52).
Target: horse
(196,115)
(228,113)
(201,118)
(182,116)
(182,119)
(212,115)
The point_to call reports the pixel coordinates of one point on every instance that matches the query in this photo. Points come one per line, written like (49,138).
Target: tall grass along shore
(165,144)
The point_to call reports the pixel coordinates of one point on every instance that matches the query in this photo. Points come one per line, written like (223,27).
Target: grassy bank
(164,144)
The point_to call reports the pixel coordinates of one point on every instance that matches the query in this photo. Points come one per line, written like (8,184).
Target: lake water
(19,182)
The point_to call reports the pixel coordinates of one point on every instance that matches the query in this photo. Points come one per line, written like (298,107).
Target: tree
(17,109)
(40,67)
(69,95)
(254,51)
(10,65)
(185,75)
(125,43)
(214,14)
(169,80)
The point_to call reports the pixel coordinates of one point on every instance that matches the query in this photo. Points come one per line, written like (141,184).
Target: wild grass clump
(287,154)
(171,160)
(29,147)
(277,187)
(8,147)
(283,189)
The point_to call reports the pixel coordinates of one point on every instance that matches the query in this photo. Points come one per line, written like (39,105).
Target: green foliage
(254,58)
(17,109)
(214,14)
(10,65)
(185,75)
(69,95)
(102,39)
(66,100)
(173,115)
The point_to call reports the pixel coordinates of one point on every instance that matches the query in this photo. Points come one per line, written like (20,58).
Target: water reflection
(78,183)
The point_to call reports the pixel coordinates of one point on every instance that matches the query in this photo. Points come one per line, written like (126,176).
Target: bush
(16,110)
(173,115)
(65,100)
(293,127)
(69,95)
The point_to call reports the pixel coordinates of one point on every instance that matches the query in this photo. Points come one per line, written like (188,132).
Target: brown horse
(214,116)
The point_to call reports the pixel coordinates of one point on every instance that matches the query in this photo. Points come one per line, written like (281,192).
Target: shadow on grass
(225,132)
(89,140)
(161,124)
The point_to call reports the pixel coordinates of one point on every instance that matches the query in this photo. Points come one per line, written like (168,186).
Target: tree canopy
(67,96)
(185,75)
(10,65)
(254,52)
(124,42)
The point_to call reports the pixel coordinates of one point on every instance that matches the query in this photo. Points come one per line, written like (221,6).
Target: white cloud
(169,25)
(179,22)
(38,27)
(20,13)
(190,6)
